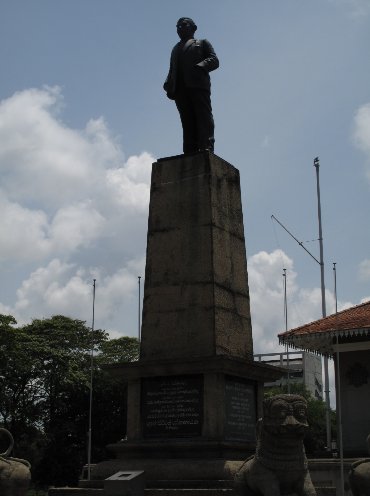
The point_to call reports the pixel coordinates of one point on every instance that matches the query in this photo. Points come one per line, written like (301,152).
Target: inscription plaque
(172,406)
(240,410)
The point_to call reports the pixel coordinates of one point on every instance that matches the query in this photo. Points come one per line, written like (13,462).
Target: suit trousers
(195,109)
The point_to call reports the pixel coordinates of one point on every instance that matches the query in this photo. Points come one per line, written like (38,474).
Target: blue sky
(83,115)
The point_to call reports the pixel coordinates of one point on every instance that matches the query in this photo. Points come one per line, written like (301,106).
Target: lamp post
(139,309)
(91,386)
(316,164)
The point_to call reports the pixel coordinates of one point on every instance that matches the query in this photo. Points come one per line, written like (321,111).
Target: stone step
(326,491)
(190,484)
(75,491)
(96,484)
(83,491)
(169,484)
(188,492)
(169,491)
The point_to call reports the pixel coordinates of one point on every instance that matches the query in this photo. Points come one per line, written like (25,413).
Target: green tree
(21,387)
(124,349)
(45,380)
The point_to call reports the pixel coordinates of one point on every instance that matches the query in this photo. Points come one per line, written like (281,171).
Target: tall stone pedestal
(196,298)
(195,393)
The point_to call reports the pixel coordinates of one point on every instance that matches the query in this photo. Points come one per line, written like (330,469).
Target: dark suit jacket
(198,60)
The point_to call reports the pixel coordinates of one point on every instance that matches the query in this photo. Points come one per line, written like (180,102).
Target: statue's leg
(263,481)
(188,121)
(201,100)
(306,487)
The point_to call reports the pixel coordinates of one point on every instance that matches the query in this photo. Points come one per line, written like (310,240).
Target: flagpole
(139,310)
(91,385)
(316,164)
(323,302)
(286,327)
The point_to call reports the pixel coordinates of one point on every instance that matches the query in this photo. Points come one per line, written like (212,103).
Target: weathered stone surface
(196,320)
(359,475)
(15,475)
(125,483)
(196,297)
(279,466)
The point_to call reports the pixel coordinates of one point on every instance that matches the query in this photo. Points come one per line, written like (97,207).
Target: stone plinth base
(205,408)
(162,473)
(215,477)
(196,391)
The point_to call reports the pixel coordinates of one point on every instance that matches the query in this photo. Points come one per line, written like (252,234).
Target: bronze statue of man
(189,84)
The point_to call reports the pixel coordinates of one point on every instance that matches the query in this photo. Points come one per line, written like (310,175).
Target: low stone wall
(325,473)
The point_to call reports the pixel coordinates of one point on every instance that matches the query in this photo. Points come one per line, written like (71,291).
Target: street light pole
(286,327)
(323,302)
(316,164)
(139,309)
(91,387)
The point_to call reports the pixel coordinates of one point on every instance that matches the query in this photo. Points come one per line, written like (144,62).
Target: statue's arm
(165,84)
(210,61)
(168,85)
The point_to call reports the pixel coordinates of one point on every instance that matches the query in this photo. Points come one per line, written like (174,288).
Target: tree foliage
(45,390)
(315,438)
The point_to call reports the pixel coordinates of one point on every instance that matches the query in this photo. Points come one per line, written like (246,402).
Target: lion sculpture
(279,466)
(15,475)
(359,475)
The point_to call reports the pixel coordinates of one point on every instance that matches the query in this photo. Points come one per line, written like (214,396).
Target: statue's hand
(201,67)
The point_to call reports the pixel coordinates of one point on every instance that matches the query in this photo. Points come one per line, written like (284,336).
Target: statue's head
(186,28)
(285,414)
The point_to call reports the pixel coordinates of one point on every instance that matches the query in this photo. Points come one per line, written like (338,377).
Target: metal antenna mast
(323,302)
(335,286)
(139,310)
(286,327)
(91,386)
(316,164)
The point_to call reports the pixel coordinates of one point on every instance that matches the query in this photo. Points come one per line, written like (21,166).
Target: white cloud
(63,288)
(38,151)
(364,270)
(361,132)
(63,189)
(357,8)
(267,299)
(72,208)
(23,232)
(129,184)
(75,225)
(44,162)
(265,142)
(362,127)
(267,303)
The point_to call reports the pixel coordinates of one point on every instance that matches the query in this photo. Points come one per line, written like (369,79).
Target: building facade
(301,368)
(345,336)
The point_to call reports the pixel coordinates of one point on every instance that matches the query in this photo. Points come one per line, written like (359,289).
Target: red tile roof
(351,319)
(320,336)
